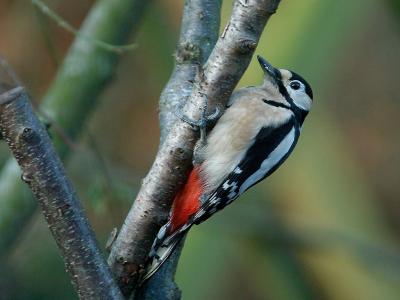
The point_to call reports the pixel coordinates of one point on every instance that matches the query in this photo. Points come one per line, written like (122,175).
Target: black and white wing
(270,149)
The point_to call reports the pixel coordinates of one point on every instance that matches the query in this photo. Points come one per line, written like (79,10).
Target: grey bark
(214,82)
(42,170)
(199,33)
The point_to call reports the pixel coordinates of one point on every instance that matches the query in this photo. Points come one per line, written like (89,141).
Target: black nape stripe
(296,76)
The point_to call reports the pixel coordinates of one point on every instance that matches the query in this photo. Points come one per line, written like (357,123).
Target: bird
(254,136)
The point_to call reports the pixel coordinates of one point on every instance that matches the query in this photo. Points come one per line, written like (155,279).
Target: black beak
(273,73)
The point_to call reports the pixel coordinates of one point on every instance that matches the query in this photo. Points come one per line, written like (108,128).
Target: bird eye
(295,85)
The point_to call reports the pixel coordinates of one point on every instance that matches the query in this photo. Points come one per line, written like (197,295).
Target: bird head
(290,85)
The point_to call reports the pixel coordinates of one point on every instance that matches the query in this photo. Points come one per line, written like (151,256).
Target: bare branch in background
(42,170)
(8,77)
(72,96)
(64,24)
(214,82)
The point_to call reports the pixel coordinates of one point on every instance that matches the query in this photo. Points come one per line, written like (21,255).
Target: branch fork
(215,78)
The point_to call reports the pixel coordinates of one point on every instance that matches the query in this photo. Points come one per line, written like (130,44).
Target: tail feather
(160,251)
(185,205)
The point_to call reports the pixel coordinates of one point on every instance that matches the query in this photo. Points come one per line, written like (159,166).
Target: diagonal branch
(216,81)
(72,96)
(42,170)
(199,33)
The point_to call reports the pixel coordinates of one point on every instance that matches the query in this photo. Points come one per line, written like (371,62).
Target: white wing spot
(232,186)
(237,170)
(226,185)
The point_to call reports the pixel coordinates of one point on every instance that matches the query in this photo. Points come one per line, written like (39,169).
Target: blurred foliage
(396,6)
(325,226)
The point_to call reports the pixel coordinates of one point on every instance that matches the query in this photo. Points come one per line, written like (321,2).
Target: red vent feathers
(187,201)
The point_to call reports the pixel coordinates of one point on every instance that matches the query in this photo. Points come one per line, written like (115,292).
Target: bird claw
(204,119)
(215,115)
(201,124)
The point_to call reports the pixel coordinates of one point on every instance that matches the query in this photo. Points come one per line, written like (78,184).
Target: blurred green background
(325,226)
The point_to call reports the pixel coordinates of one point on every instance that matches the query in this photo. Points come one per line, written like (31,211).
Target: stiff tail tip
(185,205)
(156,260)
(158,255)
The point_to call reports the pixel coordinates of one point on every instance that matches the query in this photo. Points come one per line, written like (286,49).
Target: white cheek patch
(300,99)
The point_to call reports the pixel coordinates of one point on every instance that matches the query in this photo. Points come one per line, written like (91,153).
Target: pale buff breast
(234,133)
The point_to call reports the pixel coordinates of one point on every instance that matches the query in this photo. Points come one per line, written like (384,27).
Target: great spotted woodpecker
(254,136)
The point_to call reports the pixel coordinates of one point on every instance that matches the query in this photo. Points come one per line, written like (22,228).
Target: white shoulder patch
(274,158)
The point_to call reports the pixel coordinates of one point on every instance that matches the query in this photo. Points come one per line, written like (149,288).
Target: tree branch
(161,285)
(42,170)
(86,70)
(216,81)
(199,33)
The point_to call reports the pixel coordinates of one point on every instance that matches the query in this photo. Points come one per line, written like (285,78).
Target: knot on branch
(28,135)
(188,52)
(246,46)
(26,177)
(132,271)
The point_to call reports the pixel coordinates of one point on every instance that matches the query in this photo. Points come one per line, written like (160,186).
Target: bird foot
(202,125)
(204,118)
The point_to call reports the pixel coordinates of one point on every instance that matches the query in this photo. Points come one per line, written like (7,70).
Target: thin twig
(68,27)
(216,79)
(48,39)
(101,162)
(42,170)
